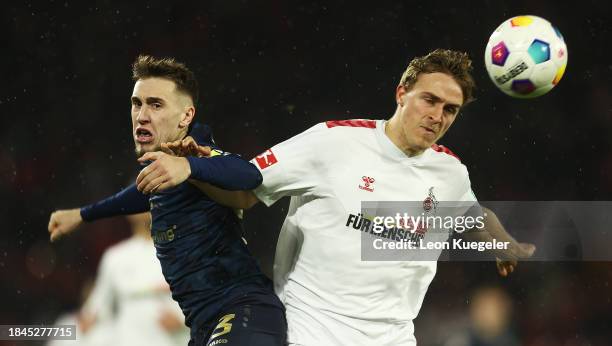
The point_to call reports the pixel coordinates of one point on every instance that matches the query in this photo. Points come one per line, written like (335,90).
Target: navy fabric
(244,324)
(199,243)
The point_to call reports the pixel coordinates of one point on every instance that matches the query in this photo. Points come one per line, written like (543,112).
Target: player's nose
(435,114)
(142,117)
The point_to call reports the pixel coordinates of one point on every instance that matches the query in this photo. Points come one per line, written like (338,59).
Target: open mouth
(143,136)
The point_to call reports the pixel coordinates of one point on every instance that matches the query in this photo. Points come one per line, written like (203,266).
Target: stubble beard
(139,149)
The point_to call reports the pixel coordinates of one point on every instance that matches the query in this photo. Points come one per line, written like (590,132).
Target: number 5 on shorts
(224,325)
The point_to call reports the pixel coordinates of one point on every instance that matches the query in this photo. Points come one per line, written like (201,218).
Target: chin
(142,149)
(425,144)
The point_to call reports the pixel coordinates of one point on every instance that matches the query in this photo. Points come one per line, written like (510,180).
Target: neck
(395,132)
(142,232)
(183,133)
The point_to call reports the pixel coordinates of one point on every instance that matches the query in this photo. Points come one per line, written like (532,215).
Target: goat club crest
(430,202)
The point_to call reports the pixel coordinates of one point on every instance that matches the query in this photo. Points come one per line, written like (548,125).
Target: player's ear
(400,91)
(187,116)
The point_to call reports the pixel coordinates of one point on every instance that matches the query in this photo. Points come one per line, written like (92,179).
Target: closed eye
(450,109)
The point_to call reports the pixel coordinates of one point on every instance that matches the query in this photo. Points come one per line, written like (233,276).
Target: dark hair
(455,63)
(147,66)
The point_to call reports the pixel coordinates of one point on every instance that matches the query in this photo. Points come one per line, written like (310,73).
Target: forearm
(232,199)
(493,230)
(228,172)
(127,201)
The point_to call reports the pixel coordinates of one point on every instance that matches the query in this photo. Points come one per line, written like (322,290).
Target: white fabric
(130,279)
(332,297)
(99,335)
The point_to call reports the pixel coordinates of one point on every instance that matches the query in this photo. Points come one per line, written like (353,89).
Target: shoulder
(332,134)
(334,127)
(202,134)
(351,124)
(445,153)
(442,156)
(349,128)
(341,129)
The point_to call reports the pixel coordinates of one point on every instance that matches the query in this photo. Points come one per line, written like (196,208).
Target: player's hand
(521,251)
(86,321)
(169,321)
(164,172)
(186,147)
(504,268)
(63,222)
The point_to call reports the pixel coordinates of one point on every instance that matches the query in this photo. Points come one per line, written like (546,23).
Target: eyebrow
(149,100)
(438,99)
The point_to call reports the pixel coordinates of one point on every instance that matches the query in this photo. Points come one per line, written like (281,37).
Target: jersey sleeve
(468,196)
(202,134)
(468,201)
(224,170)
(130,200)
(292,167)
(125,202)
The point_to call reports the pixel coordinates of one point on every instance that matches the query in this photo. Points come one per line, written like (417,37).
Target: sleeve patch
(266,159)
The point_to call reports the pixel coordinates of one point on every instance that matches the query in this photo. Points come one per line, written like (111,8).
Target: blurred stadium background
(269,70)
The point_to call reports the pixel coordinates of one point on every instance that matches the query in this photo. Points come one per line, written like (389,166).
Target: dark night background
(267,71)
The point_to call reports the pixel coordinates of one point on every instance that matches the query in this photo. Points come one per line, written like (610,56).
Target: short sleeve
(292,167)
(468,196)
(468,200)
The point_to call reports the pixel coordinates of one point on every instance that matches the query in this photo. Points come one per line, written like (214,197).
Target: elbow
(254,180)
(248,200)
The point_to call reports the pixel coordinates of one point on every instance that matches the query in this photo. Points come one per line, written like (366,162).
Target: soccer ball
(526,56)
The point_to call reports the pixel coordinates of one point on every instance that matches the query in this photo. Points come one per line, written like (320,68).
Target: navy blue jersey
(199,242)
(203,256)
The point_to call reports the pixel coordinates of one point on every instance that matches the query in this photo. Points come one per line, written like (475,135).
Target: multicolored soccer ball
(526,56)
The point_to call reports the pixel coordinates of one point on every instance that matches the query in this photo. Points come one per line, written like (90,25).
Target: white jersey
(131,294)
(101,334)
(332,296)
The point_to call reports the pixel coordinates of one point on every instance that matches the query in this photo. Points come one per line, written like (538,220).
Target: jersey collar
(389,147)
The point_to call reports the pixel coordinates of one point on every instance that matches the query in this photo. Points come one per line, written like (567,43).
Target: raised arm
(125,202)
(233,199)
(227,171)
(287,168)
(507,259)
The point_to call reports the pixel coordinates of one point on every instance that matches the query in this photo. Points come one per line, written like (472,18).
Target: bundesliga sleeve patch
(266,159)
